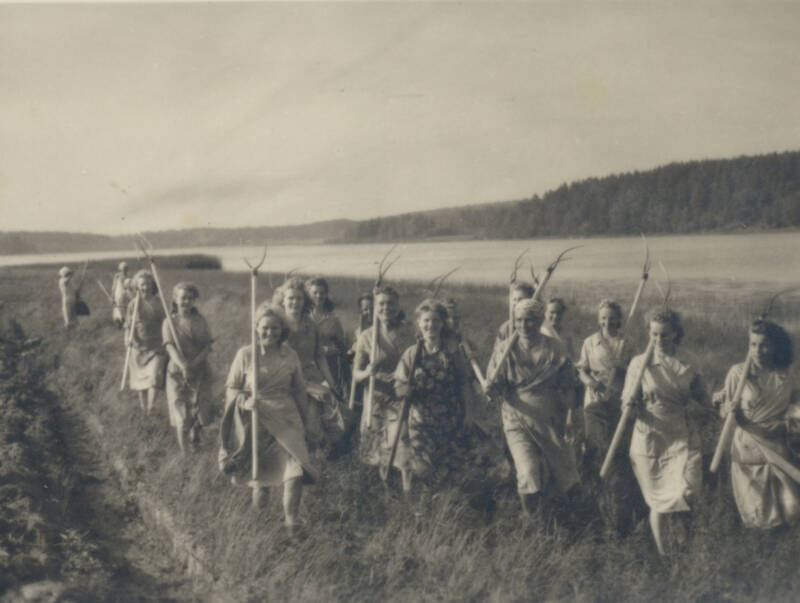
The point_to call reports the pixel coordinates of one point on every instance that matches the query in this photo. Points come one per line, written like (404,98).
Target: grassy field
(458,541)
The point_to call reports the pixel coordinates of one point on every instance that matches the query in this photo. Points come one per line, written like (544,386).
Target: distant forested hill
(754,192)
(760,192)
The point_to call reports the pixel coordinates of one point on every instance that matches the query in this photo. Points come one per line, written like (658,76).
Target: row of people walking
(303,377)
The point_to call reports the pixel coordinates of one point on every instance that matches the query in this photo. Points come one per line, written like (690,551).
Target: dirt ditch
(68,530)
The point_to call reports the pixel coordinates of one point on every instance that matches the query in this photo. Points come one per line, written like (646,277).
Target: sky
(116,118)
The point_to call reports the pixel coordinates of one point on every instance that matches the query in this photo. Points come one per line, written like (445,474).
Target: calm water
(732,258)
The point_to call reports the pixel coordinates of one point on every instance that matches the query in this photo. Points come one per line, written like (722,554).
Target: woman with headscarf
(332,338)
(665,445)
(284,420)
(601,369)
(188,379)
(393,338)
(765,495)
(304,338)
(537,385)
(148,360)
(433,376)
(517,291)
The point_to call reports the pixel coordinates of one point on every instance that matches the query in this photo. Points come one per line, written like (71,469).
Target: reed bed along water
(462,540)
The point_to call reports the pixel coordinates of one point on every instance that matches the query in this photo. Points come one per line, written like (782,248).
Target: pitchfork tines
(385,264)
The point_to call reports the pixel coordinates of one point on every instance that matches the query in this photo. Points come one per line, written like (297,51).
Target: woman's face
(293,301)
(608,321)
(554,314)
(366,305)
(386,307)
(663,337)
(269,330)
(318,295)
(184,301)
(453,320)
(528,326)
(430,325)
(143,286)
(761,350)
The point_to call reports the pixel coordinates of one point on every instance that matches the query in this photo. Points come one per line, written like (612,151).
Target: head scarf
(64,271)
(529,307)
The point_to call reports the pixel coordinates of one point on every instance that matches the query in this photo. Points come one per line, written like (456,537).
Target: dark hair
(364,296)
(296,283)
(391,292)
(437,307)
(782,347)
(558,301)
(268,309)
(525,288)
(318,281)
(665,316)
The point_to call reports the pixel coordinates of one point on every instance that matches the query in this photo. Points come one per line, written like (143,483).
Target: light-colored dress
(537,386)
(434,437)
(69,299)
(304,339)
(765,495)
(665,445)
(189,400)
(121,296)
(282,450)
(390,346)
(148,357)
(334,347)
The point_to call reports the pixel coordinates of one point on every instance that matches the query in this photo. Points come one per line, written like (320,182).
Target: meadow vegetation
(461,540)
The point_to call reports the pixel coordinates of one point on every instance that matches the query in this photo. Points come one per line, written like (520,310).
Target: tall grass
(463,539)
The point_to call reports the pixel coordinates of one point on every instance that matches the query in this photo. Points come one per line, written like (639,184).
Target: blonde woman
(148,360)
(188,379)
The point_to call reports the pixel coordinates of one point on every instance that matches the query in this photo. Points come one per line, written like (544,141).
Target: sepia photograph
(399,301)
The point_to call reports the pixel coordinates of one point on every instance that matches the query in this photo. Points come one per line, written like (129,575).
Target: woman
(554,322)
(70,292)
(765,495)
(188,373)
(434,378)
(537,385)
(393,338)
(665,446)
(601,369)
(304,338)
(331,333)
(120,294)
(148,360)
(283,417)
(516,293)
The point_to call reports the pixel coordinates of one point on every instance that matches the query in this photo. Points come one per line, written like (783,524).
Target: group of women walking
(422,394)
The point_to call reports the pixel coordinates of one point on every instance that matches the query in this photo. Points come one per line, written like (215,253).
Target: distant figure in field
(188,379)
(665,446)
(304,337)
(331,333)
(148,360)
(537,385)
(601,368)
(70,295)
(285,420)
(393,338)
(434,377)
(120,294)
(516,293)
(765,495)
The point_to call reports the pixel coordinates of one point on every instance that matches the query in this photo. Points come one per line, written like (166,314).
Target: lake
(733,258)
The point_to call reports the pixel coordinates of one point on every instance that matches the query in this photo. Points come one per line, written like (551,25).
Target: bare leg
(408,478)
(151,398)
(292,491)
(142,398)
(181,436)
(657,525)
